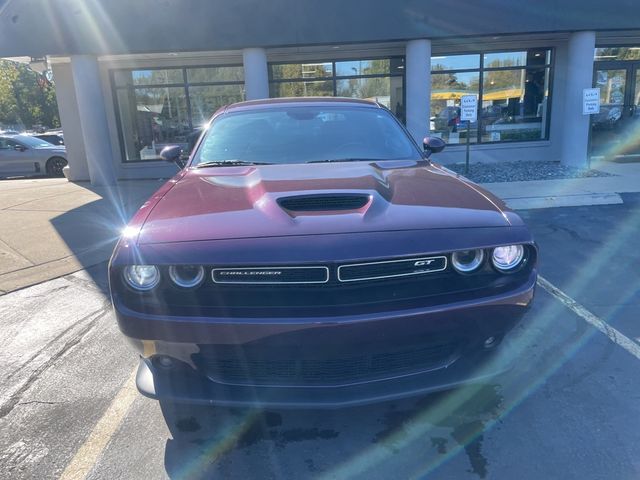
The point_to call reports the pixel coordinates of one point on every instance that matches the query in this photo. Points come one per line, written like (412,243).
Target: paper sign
(590,101)
(468,108)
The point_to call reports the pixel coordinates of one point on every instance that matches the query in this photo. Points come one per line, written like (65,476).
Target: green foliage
(23,101)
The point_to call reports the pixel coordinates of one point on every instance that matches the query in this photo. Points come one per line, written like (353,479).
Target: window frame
(481,69)
(185,85)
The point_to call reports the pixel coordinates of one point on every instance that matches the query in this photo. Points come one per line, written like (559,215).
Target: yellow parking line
(612,334)
(87,455)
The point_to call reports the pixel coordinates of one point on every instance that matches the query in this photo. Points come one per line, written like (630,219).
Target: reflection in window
(205,100)
(150,77)
(455,62)
(379,80)
(512,99)
(215,74)
(617,53)
(301,70)
(157,108)
(514,104)
(311,88)
(362,67)
(446,91)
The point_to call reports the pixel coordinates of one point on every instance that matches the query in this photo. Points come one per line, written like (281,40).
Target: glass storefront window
(322,88)
(514,104)
(446,91)
(617,53)
(301,70)
(455,62)
(157,107)
(512,90)
(380,80)
(215,74)
(362,67)
(505,59)
(149,77)
(205,100)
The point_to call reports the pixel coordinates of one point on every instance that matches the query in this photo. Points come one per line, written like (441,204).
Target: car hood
(244,202)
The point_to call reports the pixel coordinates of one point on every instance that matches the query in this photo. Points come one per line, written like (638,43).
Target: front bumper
(470,323)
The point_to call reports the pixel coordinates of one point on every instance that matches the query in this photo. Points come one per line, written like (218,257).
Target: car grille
(391,268)
(244,367)
(271,275)
(324,291)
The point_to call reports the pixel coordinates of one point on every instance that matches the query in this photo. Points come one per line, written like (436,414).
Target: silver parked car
(27,155)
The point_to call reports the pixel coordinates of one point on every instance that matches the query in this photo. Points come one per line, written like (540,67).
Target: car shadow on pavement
(374,441)
(91,229)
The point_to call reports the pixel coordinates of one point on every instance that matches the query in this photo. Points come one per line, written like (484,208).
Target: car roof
(299,101)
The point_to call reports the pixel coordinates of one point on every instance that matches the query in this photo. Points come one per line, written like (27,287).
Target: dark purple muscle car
(310,254)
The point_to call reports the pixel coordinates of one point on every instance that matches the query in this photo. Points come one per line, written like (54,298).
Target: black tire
(55,165)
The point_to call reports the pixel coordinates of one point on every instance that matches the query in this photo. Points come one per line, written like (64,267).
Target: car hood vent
(324,202)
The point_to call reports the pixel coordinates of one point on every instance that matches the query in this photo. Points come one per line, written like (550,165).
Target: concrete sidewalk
(51,227)
(571,192)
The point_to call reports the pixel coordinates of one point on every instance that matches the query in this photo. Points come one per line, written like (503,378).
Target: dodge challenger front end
(310,254)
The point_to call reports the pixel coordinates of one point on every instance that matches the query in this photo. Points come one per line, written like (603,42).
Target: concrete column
(70,120)
(256,77)
(93,117)
(418,84)
(580,51)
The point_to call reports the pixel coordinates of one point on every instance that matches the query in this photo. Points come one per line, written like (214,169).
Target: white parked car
(27,155)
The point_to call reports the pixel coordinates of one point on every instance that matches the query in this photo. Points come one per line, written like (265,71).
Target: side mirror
(433,145)
(172,154)
(20,148)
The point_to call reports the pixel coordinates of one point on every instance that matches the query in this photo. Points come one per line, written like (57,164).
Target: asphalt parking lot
(569,408)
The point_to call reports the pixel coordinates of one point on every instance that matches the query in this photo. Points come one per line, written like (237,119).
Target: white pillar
(418,81)
(256,77)
(580,53)
(93,116)
(70,120)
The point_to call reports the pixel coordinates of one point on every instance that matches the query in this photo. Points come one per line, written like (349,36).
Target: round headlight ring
(186,276)
(508,258)
(142,277)
(467,261)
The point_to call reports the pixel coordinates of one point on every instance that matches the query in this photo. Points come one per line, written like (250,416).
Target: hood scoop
(324,202)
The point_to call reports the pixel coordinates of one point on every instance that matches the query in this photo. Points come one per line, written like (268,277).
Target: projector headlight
(466,261)
(507,258)
(142,277)
(186,276)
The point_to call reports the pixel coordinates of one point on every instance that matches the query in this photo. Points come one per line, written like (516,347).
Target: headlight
(507,258)
(142,277)
(186,276)
(467,261)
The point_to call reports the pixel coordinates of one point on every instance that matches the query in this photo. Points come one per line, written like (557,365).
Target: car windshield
(32,142)
(303,134)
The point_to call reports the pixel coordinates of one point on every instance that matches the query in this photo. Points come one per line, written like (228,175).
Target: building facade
(133,77)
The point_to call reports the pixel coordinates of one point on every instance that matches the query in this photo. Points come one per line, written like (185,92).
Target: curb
(553,201)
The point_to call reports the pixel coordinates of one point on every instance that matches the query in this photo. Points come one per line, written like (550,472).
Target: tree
(23,101)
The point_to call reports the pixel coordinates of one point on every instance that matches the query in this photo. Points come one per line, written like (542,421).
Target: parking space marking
(90,451)
(613,334)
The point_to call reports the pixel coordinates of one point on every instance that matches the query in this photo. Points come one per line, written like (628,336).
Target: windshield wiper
(355,159)
(229,163)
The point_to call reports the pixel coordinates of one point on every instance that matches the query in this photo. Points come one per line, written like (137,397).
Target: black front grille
(271,275)
(240,366)
(392,268)
(318,203)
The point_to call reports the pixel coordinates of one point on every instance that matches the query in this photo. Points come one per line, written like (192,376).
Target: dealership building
(134,76)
